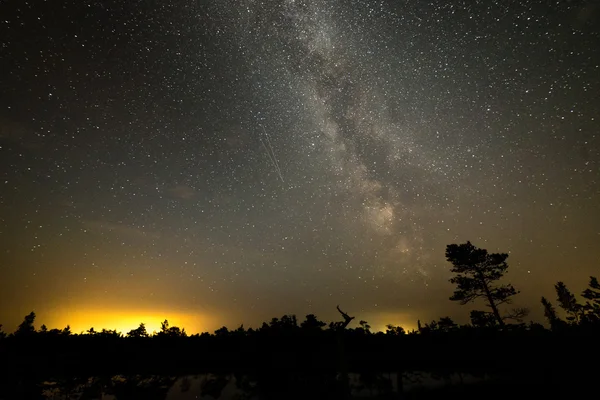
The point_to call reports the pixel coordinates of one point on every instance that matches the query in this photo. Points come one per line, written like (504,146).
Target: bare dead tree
(347,319)
(343,364)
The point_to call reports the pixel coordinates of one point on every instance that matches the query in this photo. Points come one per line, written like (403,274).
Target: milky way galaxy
(232,161)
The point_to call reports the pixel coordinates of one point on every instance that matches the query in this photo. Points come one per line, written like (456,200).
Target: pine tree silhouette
(476,271)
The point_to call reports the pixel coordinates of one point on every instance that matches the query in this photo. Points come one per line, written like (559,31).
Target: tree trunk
(496,313)
(492,304)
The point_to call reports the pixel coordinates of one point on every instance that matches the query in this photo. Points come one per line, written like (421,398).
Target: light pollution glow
(81,320)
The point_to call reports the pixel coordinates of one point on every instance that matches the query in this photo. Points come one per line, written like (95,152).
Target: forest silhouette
(288,358)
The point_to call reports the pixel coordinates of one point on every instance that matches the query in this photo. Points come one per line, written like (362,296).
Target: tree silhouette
(223,331)
(164,327)
(312,323)
(171,331)
(483,319)
(139,332)
(446,324)
(342,324)
(286,323)
(550,314)
(54,332)
(568,302)
(592,305)
(176,331)
(26,327)
(339,327)
(109,333)
(476,271)
(394,330)
(364,325)
(2,333)
(240,331)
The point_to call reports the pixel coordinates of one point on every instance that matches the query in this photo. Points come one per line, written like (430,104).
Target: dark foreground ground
(309,385)
(465,365)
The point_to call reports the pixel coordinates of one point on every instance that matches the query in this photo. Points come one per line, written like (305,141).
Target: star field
(237,160)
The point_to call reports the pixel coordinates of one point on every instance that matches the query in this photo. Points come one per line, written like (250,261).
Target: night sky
(225,162)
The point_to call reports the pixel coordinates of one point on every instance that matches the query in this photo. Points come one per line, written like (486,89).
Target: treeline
(495,342)
(287,341)
(311,355)
(577,315)
(477,273)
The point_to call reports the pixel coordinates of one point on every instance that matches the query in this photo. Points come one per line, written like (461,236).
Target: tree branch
(516,314)
(347,319)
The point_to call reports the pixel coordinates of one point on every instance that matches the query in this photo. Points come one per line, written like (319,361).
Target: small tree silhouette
(222,332)
(476,271)
(139,332)
(109,333)
(446,324)
(364,325)
(54,332)
(164,327)
(2,333)
(592,305)
(175,331)
(26,328)
(568,302)
(394,330)
(312,323)
(483,319)
(550,314)
(287,323)
(240,331)
(171,331)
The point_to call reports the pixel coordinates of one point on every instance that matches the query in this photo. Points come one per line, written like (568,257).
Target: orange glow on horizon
(380,321)
(123,320)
